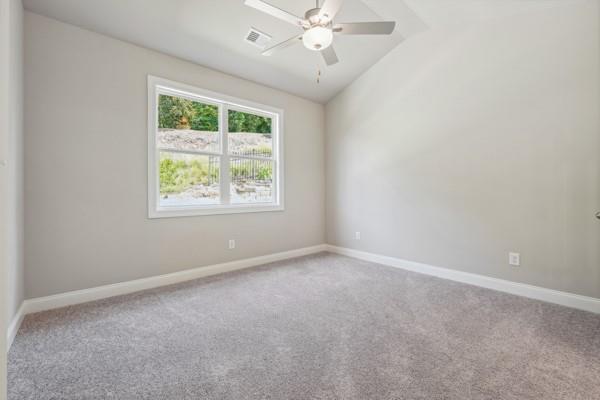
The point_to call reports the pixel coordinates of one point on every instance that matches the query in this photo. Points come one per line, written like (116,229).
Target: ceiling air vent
(257,38)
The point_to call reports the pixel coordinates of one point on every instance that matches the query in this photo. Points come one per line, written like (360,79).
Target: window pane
(188,179)
(250,135)
(187,125)
(251,180)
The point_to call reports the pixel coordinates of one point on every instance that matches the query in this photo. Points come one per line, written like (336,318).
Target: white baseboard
(520,289)
(117,289)
(101,292)
(15,323)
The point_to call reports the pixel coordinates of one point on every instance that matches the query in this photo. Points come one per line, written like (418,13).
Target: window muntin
(211,154)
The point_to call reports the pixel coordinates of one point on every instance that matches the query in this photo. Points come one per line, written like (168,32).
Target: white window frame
(157,86)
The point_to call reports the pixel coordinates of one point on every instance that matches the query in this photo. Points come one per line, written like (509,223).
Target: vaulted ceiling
(212,32)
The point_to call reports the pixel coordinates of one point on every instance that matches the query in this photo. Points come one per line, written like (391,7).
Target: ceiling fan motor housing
(312,16)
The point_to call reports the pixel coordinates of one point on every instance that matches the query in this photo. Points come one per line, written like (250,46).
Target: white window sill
(173,212)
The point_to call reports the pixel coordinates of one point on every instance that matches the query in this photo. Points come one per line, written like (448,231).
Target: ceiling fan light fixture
(317,38)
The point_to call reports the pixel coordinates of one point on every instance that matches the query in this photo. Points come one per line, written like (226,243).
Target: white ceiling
(211,33)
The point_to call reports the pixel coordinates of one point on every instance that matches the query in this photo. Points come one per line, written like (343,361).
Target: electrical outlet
(514,259)
(231,244)
(357,235)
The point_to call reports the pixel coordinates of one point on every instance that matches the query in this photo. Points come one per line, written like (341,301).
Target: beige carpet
(318,327)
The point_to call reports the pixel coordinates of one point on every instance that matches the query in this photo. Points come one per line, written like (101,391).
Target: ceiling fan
(319,27)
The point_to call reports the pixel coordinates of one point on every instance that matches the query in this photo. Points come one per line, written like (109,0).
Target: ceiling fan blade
(330,8)
(275,12)
(280,46)
(329,56)
(365,28)
(408,21)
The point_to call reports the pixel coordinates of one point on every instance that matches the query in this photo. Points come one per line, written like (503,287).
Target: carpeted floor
(318,327)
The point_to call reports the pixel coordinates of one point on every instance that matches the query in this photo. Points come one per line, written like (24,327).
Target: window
(211,154)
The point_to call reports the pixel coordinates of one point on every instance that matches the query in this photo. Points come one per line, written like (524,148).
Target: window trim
(158,86)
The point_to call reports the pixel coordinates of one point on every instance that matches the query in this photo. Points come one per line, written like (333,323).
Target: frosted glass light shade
(317,38)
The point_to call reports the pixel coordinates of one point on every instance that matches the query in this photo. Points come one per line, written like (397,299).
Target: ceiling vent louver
(257,38)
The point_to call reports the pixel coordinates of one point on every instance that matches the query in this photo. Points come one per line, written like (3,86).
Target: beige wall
(15,168)
(479,140)
(11,170)
(86,167)
(464,144)
(4,94)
